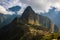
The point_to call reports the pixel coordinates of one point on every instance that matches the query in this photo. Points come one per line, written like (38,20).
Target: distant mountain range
(5,19)
(53,15)
(28,22)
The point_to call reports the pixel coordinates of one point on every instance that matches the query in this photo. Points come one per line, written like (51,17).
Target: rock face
(28,22)
(30,17)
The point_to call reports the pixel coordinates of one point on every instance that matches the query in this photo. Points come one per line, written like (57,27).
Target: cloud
(37,5)
(4,11)
(42,5)
(10,3)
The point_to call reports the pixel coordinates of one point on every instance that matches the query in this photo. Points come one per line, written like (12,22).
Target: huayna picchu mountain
(29,24)
(30,17)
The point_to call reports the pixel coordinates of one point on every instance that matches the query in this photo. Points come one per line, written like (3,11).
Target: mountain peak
(28,9)
(30,17)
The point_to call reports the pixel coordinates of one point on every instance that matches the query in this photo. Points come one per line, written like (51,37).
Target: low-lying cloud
(4,11)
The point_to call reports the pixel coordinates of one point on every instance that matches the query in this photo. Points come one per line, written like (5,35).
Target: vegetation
(38,34)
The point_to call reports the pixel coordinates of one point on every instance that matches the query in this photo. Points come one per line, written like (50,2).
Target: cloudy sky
(37,5)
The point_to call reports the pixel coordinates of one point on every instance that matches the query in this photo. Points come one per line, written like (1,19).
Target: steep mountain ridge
(29,23)
(30,17)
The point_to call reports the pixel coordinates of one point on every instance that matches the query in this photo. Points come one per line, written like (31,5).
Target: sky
(37,5)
